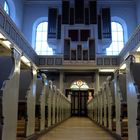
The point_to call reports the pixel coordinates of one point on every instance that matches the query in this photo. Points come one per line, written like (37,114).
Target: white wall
(19,12)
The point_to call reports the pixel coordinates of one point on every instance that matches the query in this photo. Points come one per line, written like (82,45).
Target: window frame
(116,30)
(125,33)
(6,5)
(48,51)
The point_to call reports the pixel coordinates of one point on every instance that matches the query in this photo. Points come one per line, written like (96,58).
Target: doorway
(79,93)
(79,99)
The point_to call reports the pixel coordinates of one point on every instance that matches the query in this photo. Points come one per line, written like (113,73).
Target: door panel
(79,103)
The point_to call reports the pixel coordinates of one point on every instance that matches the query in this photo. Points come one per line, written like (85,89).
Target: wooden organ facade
(68,27)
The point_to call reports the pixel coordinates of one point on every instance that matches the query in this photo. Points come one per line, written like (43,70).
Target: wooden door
(79,103)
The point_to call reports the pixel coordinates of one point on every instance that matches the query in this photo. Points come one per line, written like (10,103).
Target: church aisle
(77,128)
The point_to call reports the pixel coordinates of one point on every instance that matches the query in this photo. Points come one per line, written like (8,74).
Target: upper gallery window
(117,39)
(41,44)
(6,8)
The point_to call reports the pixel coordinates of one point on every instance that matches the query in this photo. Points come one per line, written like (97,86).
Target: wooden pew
(111,104)
(6,70)
(113,109)
(123,117)
(121,105)
(40,103)
(24,86)
(46,106)
(105,105)
(133,98)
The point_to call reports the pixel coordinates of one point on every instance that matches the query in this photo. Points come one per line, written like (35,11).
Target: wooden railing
(132,43)
(8,27)
(59,61)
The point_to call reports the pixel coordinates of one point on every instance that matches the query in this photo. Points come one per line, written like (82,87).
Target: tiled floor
(77,129)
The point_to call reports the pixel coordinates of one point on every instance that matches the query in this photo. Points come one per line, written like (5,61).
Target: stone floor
(77,129)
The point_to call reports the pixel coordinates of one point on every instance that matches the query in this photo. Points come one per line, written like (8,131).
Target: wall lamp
(106,70)
(5,41)
(138,49)
(25,60)
(123,67)
(2,37)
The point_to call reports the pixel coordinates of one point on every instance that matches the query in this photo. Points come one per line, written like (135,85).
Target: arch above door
(79,85)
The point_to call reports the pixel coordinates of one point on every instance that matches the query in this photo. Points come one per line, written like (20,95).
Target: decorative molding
(51,2)
(132,44)
(118,2)
(53,61)
(15,36)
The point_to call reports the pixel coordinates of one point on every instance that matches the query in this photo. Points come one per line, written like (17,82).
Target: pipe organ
(80,24)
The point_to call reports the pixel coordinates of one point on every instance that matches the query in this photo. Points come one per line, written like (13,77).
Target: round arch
(79,85)
(124,25)
(36,23)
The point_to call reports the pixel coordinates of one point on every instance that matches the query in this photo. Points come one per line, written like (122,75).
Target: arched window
(6,8)
(41,44)
(117,39)
(79,85)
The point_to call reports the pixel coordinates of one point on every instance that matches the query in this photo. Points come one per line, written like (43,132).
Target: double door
(79,103)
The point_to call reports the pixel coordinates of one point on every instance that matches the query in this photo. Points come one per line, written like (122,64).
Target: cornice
(43,2)
(118,2)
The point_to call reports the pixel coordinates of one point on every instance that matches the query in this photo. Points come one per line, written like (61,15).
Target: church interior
(69,69)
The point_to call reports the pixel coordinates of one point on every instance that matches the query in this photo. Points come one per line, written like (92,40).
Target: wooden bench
(21,128)
(37,124)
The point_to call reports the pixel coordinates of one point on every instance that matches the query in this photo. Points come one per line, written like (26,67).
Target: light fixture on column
(123,67)
(7,43)
(138,49)
(106,70)
(26,61)
(34,71)
(2,36)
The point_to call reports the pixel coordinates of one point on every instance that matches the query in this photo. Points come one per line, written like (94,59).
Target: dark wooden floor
(77,128)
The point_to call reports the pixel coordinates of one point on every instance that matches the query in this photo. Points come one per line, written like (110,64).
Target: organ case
(79,11)
(52,18)
(67,49)
(65,12)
